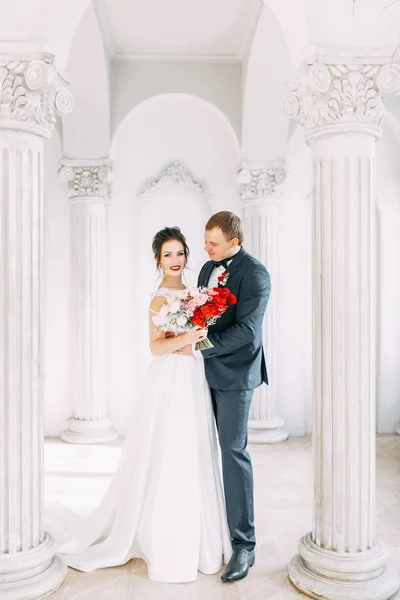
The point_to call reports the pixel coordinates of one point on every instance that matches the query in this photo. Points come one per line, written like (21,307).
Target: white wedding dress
(165,502)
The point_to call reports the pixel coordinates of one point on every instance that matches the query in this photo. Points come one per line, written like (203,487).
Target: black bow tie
(221,263)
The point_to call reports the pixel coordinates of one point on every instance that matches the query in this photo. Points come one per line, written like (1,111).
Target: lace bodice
(166,292)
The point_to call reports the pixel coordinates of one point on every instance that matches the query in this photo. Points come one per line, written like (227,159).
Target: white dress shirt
(217,271)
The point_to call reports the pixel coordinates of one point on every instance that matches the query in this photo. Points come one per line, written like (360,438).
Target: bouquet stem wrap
(204,345)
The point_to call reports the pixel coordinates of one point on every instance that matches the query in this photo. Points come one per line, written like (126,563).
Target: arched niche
(173,198)
(175,161)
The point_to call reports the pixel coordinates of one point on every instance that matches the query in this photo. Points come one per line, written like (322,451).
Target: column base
(266,432)
(321,573)
(87,431)
(32,574)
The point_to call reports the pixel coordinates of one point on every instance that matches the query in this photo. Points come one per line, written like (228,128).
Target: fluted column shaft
(21,519)
(261,195)
(88,190)
(341,109)
(30,94)
(89,285)
(344,341)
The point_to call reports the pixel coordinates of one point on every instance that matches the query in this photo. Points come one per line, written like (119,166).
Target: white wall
(265,126)
(294,351)
(86,130)
(388,283)
(56,295)
(358,24)
(166,128)
(49,24)
(133,81)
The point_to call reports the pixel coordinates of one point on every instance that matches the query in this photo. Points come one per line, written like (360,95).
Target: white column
(261,194)
(88,187)
(340,106)
(31,93)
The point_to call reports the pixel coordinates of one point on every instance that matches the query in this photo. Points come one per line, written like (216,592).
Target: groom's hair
(230,225)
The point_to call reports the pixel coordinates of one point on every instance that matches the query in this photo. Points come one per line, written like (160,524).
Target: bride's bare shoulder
(157,302)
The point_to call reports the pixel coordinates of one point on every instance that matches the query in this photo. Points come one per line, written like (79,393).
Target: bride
(165,503)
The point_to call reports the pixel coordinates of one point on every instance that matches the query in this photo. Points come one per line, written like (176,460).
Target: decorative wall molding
(349,93)
(32,93)
(175,172)
(87,178)
(165,57)
(259,183)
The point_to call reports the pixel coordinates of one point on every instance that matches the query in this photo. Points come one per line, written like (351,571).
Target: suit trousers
(231,409)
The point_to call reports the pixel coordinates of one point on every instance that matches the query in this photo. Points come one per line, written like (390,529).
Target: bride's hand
(196,334)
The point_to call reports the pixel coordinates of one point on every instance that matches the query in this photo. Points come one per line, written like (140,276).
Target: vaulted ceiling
(178,27)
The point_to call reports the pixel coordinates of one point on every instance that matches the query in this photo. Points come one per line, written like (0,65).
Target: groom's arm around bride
(240,333)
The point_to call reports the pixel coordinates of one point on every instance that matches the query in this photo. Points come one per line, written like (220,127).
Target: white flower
(174,306)
(181,320)
(160,320)
(164,310)
(183,294)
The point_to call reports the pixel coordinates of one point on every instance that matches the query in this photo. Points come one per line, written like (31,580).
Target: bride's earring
(184,273)
(160,271)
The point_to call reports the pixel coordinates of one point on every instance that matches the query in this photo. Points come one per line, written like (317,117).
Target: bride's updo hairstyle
(166,235)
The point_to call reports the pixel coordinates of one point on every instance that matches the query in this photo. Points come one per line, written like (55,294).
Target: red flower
(220,302)
(222,276)
(232,298)
(223,291)
(198,318)
(210,310)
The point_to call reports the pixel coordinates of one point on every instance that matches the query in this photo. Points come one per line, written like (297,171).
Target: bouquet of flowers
(196,306)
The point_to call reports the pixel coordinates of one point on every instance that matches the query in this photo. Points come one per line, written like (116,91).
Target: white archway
(194,100)
(163,129)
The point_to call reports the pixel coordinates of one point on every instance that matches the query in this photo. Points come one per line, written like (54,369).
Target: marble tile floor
(79,475)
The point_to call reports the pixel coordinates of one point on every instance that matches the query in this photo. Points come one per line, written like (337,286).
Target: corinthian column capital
(87,178)
(333,93)
(32,93)
(258,183)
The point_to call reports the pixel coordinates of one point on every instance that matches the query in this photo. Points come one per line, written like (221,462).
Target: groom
(235,366)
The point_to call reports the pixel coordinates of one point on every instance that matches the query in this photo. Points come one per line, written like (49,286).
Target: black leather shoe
(239,565)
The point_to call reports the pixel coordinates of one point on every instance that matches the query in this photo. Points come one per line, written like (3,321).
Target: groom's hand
(186,350)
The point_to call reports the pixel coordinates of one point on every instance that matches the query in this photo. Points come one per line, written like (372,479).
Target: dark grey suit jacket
(237,362)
